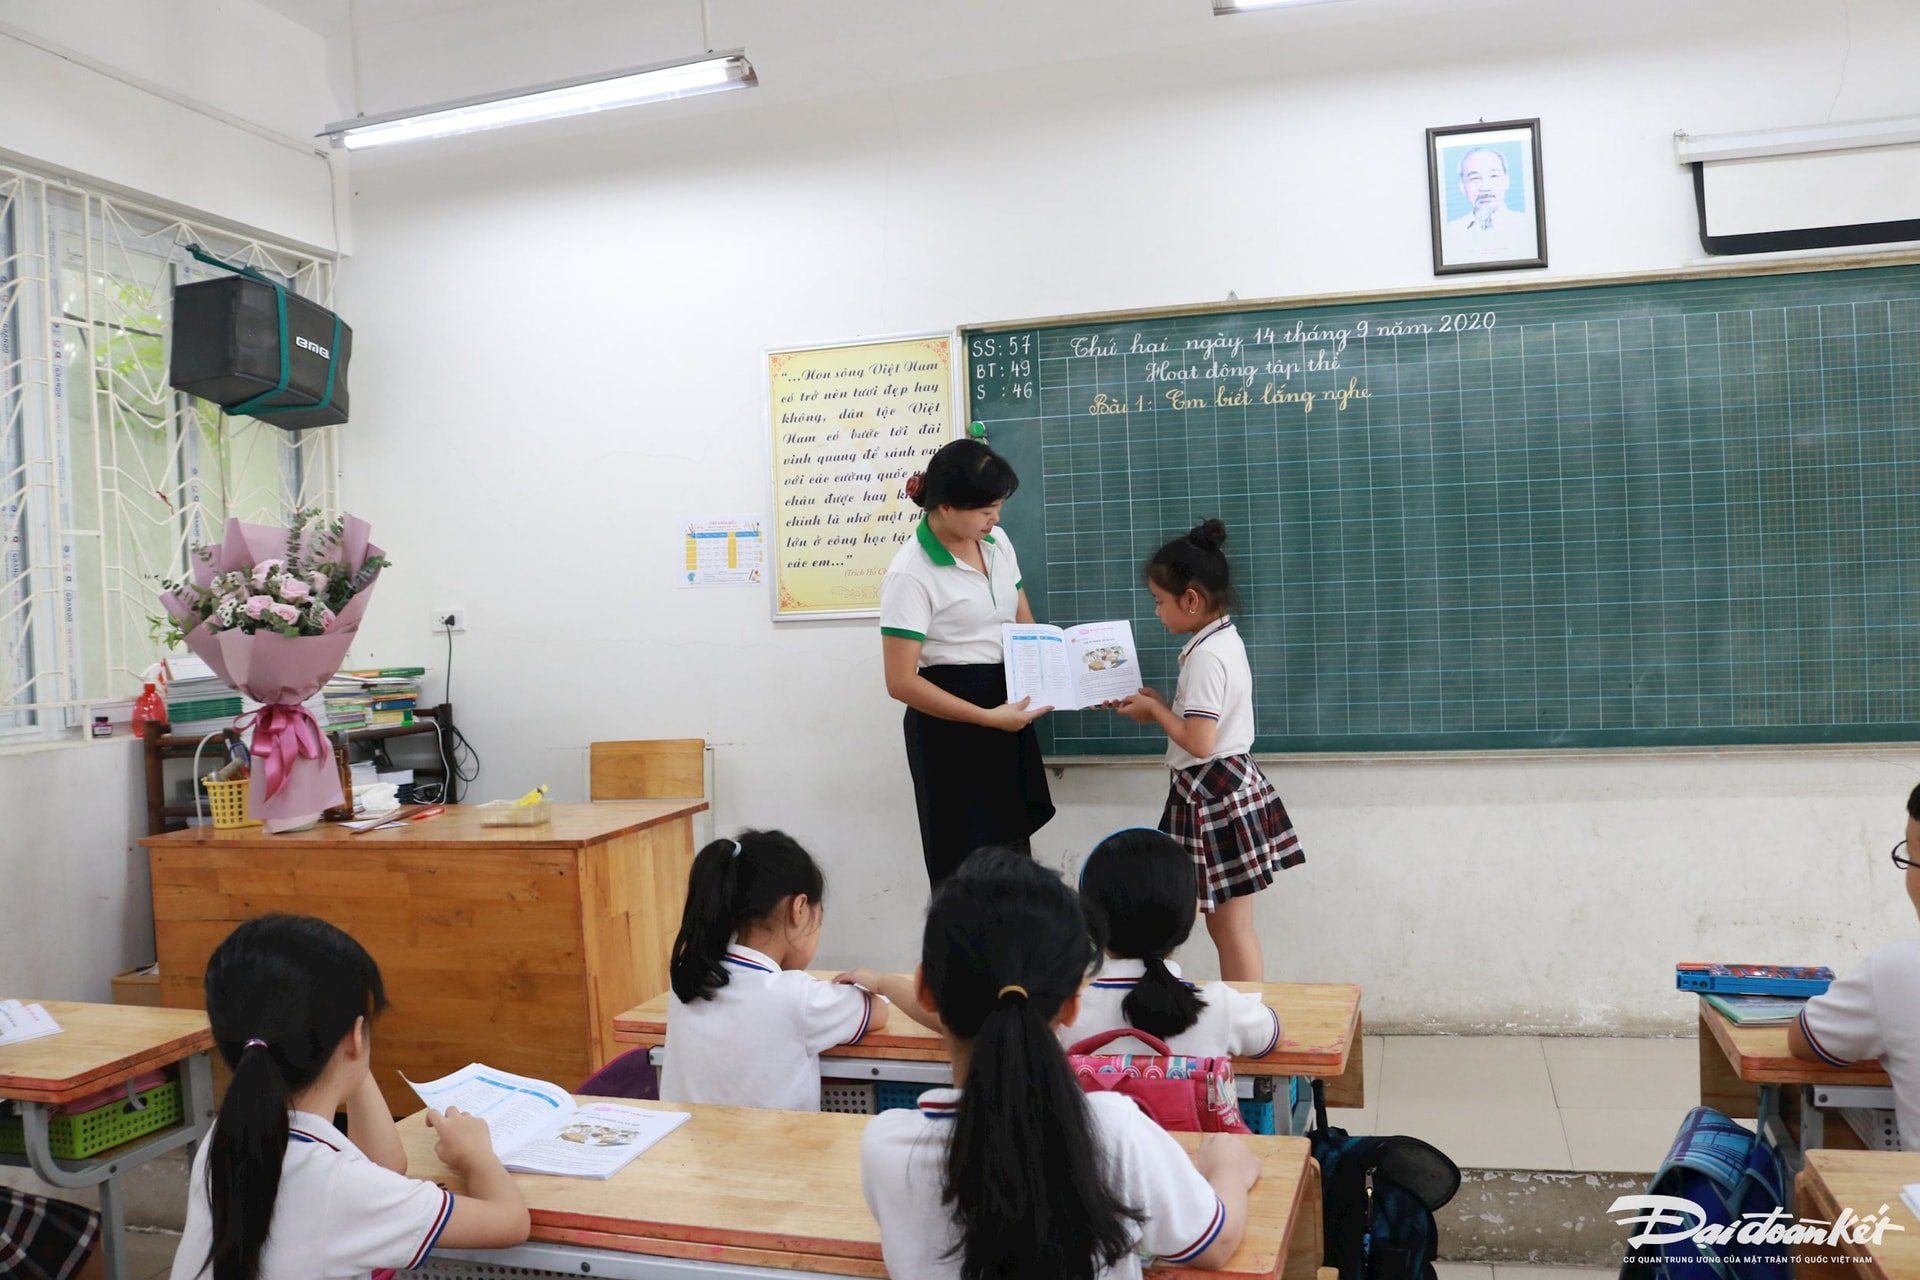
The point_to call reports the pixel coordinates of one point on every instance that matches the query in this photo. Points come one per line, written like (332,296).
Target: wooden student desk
(1749,1073)
(513,946)
(102,1046)
(1862,1181)
(1320,1036)
(743,1193)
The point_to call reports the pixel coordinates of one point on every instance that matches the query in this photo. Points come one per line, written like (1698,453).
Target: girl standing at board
(1221,807)
(978,778)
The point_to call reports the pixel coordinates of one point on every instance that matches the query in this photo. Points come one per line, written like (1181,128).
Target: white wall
(558,337)
(202,105)
(75,904)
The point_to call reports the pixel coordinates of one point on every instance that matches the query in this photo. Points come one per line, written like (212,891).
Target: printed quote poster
(849,425)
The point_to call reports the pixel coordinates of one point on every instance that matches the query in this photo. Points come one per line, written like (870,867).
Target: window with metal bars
(107,475)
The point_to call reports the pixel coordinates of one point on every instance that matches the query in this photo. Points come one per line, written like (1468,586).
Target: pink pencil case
(118,1093)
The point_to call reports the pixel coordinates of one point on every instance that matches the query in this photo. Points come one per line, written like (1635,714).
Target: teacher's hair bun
(1209,535)
(916,485)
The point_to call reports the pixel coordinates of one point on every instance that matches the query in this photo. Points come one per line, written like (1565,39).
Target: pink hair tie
(252,1043)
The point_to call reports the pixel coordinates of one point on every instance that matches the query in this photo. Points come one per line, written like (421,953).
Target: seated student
(745,1028)
(1140,886)
(1874,1012)
(43,1239)
(278,1193)
(1016,1174)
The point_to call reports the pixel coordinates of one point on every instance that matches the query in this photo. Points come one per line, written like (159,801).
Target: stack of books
(374,699)
(199,702)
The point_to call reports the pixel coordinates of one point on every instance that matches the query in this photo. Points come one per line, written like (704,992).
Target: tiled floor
(150,1255)
(1524,1102)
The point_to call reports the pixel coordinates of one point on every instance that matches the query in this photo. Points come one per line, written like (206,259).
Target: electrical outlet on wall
(444,620)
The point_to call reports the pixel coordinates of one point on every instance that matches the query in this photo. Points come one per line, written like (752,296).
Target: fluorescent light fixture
(1223,7)
(1889,132)
(709,73)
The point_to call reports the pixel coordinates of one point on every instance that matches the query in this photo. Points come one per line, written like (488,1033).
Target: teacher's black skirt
(973,786)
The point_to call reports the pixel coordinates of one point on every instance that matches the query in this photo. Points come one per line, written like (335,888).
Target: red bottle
(148,706)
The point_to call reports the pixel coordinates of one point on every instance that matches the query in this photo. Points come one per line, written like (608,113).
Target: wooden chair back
(648,769)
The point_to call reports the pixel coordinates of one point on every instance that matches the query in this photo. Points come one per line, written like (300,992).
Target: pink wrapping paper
(294,778)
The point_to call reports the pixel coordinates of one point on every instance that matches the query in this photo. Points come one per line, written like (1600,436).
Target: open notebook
(539,1128)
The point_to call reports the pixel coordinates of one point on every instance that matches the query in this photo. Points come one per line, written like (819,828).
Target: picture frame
(1487,197)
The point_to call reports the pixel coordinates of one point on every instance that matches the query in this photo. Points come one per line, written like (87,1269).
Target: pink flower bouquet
(273,612)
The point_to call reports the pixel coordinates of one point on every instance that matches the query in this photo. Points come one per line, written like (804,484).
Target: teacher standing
(978,778)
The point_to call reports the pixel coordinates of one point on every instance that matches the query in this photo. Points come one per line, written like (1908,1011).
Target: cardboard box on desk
(138,987)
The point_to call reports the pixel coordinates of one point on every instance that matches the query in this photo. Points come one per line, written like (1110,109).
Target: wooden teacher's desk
(1749,1073)
(1320,1036)
(1867,1182)
(742,1193)
(513,946)
(100,1047)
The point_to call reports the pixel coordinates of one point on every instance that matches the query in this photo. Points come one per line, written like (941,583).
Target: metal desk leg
(1770,1122)
(1813,1122)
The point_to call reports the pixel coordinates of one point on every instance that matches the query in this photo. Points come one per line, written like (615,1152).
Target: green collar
(932,545)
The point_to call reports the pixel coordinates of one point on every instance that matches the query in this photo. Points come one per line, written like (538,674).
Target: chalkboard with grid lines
(1670,513)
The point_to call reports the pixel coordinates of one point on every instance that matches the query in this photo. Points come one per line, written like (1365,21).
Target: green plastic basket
(77,1137)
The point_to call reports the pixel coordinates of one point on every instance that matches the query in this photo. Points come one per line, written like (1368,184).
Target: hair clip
(1013,988)
(736,849)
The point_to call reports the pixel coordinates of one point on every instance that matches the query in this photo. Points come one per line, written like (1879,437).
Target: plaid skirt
(1229,817)
(43,1239)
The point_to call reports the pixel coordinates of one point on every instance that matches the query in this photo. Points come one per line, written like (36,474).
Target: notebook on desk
(1754,979)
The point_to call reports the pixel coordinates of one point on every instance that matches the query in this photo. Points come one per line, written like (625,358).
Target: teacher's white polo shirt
(1874,1012)
(339,1216)
(1233,1024)
(950,607)
(756,1042)
(903,1160)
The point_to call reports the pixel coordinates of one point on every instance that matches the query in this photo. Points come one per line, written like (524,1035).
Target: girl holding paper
(978,778)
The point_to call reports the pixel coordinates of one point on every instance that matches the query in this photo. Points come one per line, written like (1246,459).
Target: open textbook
(1073,668)
(538,1127)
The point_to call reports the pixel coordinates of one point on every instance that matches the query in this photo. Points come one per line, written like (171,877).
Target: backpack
(1727,1172)
(1378,1196)
(1180,1094)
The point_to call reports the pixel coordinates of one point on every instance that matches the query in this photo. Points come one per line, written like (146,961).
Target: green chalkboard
(1666,513)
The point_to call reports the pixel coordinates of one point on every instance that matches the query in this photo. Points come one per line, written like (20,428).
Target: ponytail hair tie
(1013,988)
(916,485)
(254,1044)
(736,849)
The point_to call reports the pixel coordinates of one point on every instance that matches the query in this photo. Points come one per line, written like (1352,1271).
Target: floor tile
(1508,1071)
(1622,1074)
(1482,1135)
(1463,1270)
(150,1253)
(1614,1140)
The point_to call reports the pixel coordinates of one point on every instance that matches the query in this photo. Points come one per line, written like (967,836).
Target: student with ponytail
(1138,886)
(1220,806)
(1016,1174)
(745,1024)
(278,1193)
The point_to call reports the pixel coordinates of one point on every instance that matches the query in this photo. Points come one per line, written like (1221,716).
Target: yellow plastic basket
(227,802)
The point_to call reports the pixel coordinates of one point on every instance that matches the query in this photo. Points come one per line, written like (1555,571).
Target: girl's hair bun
(1209,535)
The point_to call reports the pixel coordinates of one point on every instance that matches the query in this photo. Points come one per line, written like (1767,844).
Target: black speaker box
(226,348)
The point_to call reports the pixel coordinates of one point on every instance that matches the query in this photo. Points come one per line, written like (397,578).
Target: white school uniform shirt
(1216,683)
(756,1042)
(950,607)
(1237,1024)
(1874,1012)
(903,1157)
(339,1216)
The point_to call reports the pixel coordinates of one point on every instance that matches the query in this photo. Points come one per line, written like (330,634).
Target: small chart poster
(729,552)
(849,424)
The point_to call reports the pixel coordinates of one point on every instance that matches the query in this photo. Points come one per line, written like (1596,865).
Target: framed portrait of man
(1489,199)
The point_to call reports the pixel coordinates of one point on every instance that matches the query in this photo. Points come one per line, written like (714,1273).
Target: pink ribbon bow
(281,735)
